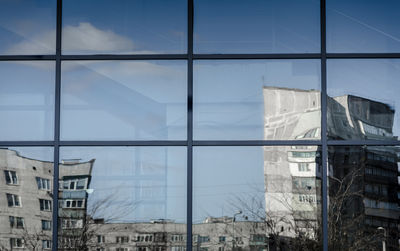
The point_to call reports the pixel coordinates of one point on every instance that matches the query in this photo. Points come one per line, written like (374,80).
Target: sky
(363,26)
(125,100)
(102,100)
(225,26)
(257,26)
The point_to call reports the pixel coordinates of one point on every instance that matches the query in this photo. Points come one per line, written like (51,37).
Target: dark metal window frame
(189,57)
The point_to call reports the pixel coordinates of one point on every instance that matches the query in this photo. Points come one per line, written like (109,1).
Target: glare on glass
(27,27)
(122,196)
(257,196)
(363,26)
(27,100)
(123,100)
(363,99)
(256,100)
(124,27)
(235,26)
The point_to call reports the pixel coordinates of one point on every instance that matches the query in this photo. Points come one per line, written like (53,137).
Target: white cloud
(84,38)
(88,39)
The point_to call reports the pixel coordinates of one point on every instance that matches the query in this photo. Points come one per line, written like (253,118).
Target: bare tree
(346,217)
(346,230)
(287,230)
(83,236)
(32,239)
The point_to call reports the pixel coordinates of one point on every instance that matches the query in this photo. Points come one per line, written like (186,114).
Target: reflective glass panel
(257,198)
(124,27)
(363,99)
(25,207)
(258,99)
(363,26)
(235,26)
(27,100)
(27,27)
(363,198)
(123,100)
(122,197)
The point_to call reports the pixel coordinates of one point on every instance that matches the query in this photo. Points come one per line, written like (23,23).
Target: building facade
(199,125)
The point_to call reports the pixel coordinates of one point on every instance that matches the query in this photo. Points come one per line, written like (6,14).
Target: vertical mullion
(55,199)
(57,125)
(324,111)
(189,181)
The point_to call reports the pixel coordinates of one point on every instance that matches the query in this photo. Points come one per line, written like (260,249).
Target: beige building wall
(27,189)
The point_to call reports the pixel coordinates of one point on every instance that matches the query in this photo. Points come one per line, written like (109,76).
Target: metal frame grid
(190,142)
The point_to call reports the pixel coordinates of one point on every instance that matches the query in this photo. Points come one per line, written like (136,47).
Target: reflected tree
(78,231)
(290,230)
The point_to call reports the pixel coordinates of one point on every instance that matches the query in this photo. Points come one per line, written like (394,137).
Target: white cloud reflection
(83,38)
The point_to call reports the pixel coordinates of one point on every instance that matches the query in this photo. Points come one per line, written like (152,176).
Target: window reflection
(365,26)
(363,197)
(268,198)
(124,27)
(256,26)
(28,27)
(123,100)
(122,198)
(280,100)
(258,99)
(25,208)
(364,100)
(27,100)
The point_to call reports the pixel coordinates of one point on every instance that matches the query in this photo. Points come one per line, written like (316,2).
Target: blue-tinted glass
(255,100)
(128,193)
(123,100)
(235,26)
(129,27)
(363,26)
(27,100)
(363,99)
(27,27)
(247,193)
(363,197)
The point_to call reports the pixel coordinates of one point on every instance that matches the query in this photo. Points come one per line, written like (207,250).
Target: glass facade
(199,125)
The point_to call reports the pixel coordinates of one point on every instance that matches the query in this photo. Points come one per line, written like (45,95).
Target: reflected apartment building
(26,215)
(219,234)
(363,181)
(73,213)
(26,201)
(292,176)
(292,173)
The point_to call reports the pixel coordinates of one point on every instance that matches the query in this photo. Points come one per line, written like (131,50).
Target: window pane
(124,27)
(363,99)
(21,217)
(26,100)
(258,99)
(363,26)
(27,27)
(363,197)
(125,100)
(255,196)
(131,191)
(235,26)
